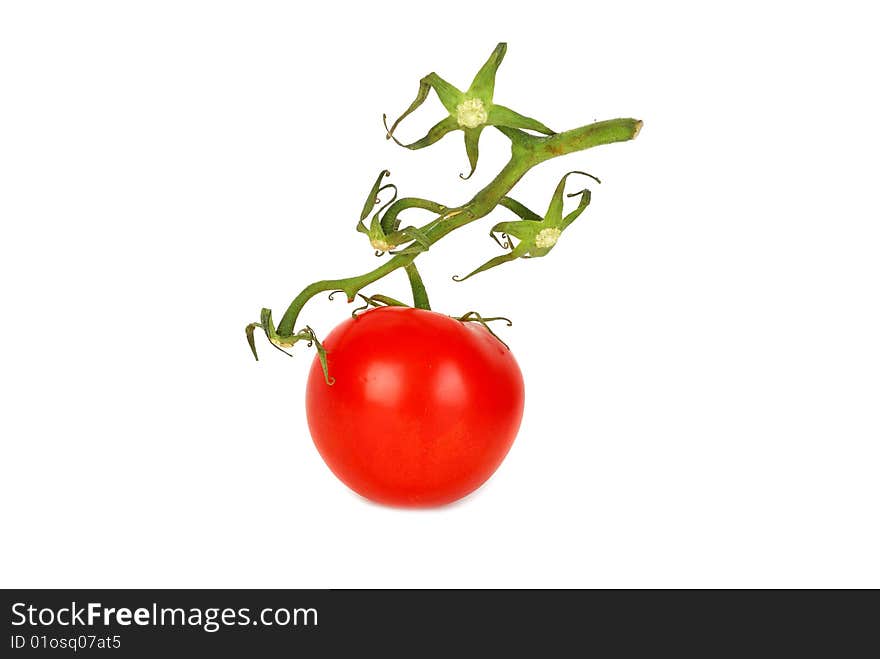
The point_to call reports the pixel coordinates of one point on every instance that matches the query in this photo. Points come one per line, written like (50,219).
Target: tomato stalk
(526,152)
(420,295)
(469,111)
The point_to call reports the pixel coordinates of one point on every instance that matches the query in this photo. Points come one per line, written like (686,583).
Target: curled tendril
(389,132)
(507,321)
(474,317)
(577,171)
(504,243)
(373,196)
(390,201)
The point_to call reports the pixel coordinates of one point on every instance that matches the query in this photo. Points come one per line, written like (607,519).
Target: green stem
(389,219)
(585,137)
(350,286)
(526,152)
(420,295)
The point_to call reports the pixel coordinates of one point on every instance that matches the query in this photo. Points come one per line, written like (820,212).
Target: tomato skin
(423,408)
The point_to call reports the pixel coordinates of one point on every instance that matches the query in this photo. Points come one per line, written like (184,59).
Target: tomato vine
(532,235)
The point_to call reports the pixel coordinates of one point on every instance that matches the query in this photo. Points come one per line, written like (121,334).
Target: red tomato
(423,408)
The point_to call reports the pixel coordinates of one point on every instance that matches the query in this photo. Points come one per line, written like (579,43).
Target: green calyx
(474,317)
(535,235)
(470,111)
(527,237)
(377,301)
(384,232)
(280,342)
(371,301)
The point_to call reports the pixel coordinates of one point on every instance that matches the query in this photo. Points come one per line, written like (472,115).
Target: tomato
(423,407)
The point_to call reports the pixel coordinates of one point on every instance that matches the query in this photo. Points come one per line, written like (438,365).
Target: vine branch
(527,151)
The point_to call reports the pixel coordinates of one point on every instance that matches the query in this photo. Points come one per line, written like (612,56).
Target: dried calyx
(469,111)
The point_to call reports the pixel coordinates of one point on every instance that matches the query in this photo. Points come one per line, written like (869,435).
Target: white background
(700,351)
